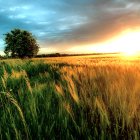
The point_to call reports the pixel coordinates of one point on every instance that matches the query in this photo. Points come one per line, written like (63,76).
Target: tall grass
(65,101)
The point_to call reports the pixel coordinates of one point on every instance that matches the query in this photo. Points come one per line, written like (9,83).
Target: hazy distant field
(92,59)
(89,97)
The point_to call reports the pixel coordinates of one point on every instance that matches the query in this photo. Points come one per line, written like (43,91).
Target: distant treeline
(2,57)
(63,55)
(59,55)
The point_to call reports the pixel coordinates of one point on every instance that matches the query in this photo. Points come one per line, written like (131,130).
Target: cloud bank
(64,23)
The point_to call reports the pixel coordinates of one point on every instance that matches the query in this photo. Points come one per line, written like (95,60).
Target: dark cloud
(68,22)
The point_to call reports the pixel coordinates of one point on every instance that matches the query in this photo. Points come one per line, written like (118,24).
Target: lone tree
(20,43)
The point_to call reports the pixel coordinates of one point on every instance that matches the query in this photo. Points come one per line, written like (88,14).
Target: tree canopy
(20,43)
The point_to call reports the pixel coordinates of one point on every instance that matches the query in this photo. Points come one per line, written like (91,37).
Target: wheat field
(70,98)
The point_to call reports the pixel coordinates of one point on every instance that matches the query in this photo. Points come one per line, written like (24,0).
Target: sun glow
(130,53)
(127,43)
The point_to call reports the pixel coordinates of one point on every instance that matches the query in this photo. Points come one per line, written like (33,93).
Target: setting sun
(127,43)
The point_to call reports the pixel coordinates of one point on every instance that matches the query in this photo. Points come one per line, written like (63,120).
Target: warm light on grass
(95,97)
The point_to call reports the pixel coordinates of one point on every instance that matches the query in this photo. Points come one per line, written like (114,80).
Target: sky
(71,26)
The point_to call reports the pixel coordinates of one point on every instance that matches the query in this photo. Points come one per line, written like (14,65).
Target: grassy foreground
(62,101)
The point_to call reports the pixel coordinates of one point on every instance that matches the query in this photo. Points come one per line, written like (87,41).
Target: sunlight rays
(127,43)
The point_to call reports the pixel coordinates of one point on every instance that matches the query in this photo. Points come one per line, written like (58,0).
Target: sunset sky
(75,26)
